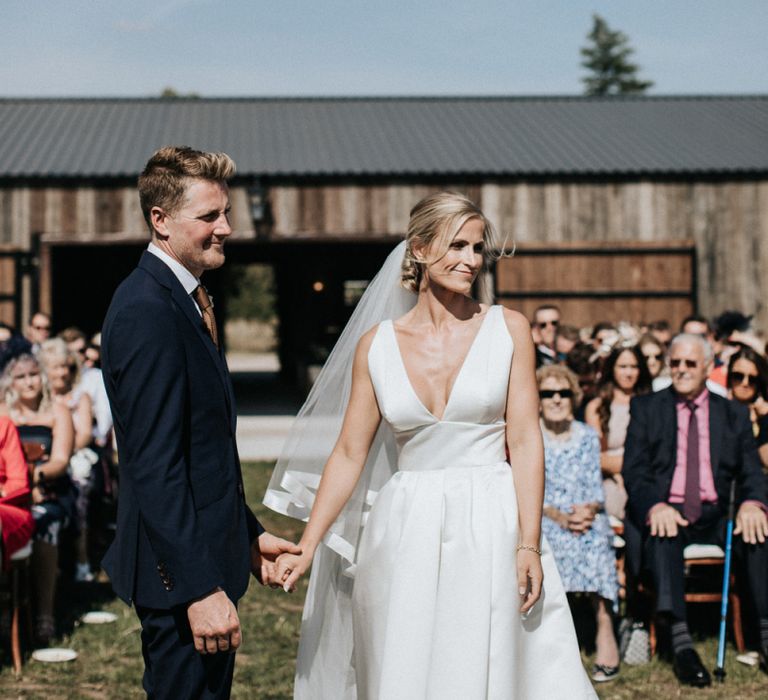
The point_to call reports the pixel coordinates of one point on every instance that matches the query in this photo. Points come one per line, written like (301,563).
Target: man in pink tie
(684,448)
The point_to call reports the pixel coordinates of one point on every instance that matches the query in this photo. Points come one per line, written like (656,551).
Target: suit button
(159,567)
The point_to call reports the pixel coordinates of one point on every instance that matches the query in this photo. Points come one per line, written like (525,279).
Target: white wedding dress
(435,605)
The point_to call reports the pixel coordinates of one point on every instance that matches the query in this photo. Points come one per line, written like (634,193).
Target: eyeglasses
(739,377)
(41,328)
(551,393)
(689,364)
(544,324)
(654,356)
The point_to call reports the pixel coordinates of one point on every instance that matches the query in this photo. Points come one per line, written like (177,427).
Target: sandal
(602,673)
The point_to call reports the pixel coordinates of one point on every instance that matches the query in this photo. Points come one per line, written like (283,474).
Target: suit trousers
(173,670)
(663,557)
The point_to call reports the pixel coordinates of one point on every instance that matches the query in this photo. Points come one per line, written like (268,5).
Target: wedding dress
(413,593)
(435,600)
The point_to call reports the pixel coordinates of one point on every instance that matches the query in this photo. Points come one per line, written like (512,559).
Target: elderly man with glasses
(684,448)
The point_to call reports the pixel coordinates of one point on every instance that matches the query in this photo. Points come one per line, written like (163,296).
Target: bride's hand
(290,567)
(529,578)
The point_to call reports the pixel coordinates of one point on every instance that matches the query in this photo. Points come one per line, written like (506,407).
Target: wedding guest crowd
(676,419)
(55,459)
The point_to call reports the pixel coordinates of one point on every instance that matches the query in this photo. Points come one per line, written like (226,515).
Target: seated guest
(684,448)
(38,330)
(546,319)
(579,361)
(62,368)
(653,352)
(748,382)
(48,426)
(579,534)
(624,374)
(661,331)
(91,382)
(566,339)
(16,525)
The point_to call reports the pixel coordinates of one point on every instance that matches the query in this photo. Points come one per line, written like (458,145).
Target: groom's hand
(264,552)
(214,623)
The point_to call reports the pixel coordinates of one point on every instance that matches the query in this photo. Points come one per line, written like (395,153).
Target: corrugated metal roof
(471,136)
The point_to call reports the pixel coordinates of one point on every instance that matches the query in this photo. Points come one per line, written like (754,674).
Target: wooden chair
(698,558)
(16,597)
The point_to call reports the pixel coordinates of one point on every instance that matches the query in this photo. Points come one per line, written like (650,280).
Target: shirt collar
(187,279)
(698,401)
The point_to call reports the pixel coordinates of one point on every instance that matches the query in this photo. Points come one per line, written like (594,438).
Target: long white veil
(324,665)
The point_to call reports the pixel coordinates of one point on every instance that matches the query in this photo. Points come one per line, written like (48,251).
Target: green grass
(110,666)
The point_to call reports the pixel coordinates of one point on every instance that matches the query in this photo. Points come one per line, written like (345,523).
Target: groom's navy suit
(183,527)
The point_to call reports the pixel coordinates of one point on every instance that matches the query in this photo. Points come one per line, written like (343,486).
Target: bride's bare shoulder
(517,324)
(366,339)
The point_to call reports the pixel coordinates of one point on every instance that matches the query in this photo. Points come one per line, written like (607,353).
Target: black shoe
(689,669)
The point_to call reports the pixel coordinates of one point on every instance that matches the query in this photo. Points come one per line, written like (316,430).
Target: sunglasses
(551,393)
(653,356)
(739,377)
(689,364)
(544,324)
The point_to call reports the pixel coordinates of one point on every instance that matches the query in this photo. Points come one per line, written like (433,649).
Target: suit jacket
(183,527)
(650,452)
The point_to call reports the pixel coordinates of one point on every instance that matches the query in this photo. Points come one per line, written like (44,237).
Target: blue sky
(347,47)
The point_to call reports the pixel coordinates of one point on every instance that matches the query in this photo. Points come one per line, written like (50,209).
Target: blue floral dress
(586,562)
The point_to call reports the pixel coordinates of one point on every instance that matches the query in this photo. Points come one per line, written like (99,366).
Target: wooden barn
(635,208)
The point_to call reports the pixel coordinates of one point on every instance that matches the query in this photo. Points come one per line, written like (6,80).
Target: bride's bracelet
(529,547)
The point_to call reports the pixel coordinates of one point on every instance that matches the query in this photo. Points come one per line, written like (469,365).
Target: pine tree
(607,58)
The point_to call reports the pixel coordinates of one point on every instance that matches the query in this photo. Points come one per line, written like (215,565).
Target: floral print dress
(586,562)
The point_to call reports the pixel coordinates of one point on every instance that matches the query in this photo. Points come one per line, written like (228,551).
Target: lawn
(109,664)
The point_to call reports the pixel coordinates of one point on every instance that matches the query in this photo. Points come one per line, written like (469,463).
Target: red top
(13,467)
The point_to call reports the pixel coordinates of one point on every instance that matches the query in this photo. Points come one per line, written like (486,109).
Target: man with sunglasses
(546,320)
(684,448)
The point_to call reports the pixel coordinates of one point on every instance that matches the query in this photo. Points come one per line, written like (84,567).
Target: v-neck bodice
(471,430)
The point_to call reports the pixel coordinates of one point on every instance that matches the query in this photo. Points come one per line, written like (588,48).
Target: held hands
(264,553)
(214,623)
(530,578)
(290,567)
(751,524)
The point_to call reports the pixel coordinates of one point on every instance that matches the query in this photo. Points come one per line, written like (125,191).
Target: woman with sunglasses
(653,353)
(748,384)
(624,374)
(574,525)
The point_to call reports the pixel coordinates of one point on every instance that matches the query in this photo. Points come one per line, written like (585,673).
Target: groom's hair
(164,180)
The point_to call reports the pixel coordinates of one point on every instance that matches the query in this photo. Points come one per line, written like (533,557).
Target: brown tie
(206,307)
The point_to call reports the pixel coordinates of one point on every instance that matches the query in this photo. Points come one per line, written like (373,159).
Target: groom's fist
(214,623)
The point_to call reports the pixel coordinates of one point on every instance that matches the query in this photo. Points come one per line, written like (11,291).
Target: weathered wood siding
(727,221)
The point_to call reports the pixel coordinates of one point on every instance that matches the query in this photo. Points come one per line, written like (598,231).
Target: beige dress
(615,495)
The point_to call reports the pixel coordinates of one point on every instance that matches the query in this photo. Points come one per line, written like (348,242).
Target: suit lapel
(668,417)
(716,422)
(163,274)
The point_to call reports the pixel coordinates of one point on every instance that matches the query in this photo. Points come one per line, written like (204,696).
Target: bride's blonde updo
(434,223)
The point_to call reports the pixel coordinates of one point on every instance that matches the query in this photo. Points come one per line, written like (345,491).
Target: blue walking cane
(719,671)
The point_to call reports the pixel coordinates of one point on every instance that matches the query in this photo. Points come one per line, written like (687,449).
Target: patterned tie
(692,498)
(206,307)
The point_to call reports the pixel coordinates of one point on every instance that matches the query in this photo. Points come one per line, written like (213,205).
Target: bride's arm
(343,468)
(526,455)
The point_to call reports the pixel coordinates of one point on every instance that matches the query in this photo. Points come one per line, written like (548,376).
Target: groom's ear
(159,220)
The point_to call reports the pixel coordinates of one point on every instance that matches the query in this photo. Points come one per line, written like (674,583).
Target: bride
(430,577)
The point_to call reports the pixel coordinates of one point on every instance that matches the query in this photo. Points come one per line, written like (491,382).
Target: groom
(186,541)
